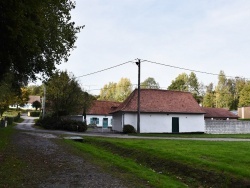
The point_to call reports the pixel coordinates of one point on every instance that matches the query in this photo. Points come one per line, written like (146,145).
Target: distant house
(244,112)
(162,111)
(219,114)
(28,105)
(99,113)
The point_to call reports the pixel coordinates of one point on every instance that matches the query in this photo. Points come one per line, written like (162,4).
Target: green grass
(125,168)
(11,113)
(187,135)
(172,163)
(10,166)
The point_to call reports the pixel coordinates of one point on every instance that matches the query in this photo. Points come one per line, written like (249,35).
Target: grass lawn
(172,163)
(10,166)
(195,135)
(11,113)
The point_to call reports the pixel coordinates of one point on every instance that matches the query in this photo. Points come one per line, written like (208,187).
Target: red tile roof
(102,107)
(220,113)
(161,101)
(33,98)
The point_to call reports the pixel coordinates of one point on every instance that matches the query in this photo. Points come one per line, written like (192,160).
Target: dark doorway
(175,125)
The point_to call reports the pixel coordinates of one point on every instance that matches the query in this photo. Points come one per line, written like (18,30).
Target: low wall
(226,127)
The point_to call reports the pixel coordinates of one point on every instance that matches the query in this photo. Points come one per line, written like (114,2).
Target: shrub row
(55,123)
(34,113)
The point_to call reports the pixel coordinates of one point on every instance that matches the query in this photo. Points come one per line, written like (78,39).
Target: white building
(162,111)
(28,105)
(99,113)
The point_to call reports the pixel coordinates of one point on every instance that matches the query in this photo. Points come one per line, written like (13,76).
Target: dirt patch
(192,176)
(50,164)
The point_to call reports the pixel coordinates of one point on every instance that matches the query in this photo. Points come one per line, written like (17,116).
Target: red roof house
(161,111)
(218,114)
(99,113)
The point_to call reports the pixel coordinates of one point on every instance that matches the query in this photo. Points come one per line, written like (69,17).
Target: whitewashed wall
(161,123)
(117,122)
(100,119)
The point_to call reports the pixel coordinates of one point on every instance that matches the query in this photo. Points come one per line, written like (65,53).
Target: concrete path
(27,125)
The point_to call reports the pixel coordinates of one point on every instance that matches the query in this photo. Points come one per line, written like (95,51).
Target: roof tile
(102,107)
(161,101)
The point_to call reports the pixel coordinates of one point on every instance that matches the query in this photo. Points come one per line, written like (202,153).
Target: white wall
(117,122)
(161,123)
(100,119)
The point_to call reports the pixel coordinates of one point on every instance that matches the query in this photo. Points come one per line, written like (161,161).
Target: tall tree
(116,91)
(223,96)
(6,94)
(22,98)
(108,92)
(35,35)
(64,94)
(190,83)
(150,83)
(209,97)
(35,90)
(244,99)
(123,89)
(36,104)
(180,83)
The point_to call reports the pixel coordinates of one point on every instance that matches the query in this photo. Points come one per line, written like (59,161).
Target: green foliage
(184,82)
(128,129)
(244,99)
(64,94)
(116,91)
(36,105)
(150,83)
(223,97)
(34,113)
(56,123)
(180,83)
(209,97)
(6,94)
(35,90)
(35,35)
(86,102)
(108,92)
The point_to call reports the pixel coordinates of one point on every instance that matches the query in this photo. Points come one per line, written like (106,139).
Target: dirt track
(50,164)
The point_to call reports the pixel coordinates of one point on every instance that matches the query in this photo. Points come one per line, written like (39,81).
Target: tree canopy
(190,83)
(150,83)
(35,35)
(64,94)
(116,91)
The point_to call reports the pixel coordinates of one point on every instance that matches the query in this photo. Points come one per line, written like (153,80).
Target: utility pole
(138,98)
(44,99)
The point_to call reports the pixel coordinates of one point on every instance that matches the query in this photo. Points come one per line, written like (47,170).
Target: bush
(128,129)
(10,120)
(55,123)
(34,114)
(16,118)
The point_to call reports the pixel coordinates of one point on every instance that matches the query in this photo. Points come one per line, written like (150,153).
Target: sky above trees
(201,35)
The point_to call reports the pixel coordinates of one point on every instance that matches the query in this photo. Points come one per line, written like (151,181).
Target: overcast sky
(204,35)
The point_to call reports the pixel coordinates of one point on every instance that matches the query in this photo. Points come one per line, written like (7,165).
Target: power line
(182,68)
(105,69)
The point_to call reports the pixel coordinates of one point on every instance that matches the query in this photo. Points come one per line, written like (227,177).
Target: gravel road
(50,164)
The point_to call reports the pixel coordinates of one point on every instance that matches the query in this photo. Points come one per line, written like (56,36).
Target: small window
(94,120)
